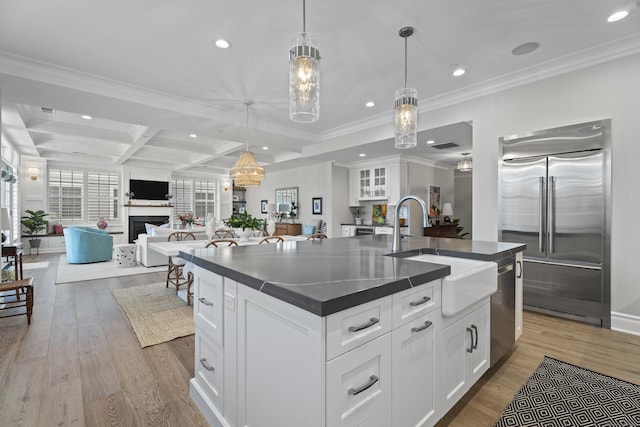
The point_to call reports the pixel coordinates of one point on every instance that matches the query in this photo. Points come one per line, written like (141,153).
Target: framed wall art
(316,208)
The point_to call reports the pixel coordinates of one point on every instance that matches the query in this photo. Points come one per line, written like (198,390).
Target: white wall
(610,90)
(462,201)
(420,178)
(312,181)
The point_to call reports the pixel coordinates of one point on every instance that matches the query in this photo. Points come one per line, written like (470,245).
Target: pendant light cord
(247,103)
(304,17)
(405,62)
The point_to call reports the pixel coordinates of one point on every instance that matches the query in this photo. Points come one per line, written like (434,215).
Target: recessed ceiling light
(431,141)
(87,117)
(457,70)
(621,14)
(370,104)
(193,135)
(525,48)
(265,148)
(222,43)
(362,155)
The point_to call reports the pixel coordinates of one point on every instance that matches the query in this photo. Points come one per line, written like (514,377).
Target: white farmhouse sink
(469,282)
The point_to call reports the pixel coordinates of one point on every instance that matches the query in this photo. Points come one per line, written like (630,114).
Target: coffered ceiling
(149,74)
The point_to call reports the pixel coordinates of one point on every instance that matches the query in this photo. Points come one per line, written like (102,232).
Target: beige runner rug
(156,313)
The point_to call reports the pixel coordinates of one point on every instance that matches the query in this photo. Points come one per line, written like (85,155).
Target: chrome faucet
(396,222)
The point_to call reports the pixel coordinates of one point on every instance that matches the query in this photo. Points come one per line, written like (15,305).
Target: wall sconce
(33,173)
(225,185)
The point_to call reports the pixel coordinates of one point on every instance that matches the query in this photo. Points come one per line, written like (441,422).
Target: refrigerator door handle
(540,214)
(552,215)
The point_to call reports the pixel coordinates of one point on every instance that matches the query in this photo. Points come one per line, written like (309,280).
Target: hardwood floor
(79,363)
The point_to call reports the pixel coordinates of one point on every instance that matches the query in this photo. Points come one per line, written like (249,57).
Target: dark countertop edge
(327,307)
(468,255)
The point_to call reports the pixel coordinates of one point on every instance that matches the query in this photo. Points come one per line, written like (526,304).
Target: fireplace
(136,224)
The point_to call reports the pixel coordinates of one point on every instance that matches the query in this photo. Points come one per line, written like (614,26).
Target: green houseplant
(244,220)
(34,223)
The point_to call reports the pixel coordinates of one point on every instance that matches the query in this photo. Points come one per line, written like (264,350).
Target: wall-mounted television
(149,190)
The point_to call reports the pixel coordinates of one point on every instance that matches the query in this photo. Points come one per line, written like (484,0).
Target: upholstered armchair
(87,244)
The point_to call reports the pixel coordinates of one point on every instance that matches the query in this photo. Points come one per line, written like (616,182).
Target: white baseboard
(626,323)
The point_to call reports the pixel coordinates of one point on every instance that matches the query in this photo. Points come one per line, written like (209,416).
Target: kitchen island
(334,332)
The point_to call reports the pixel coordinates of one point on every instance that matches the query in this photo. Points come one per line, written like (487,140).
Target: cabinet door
(208,309)
(414,370)
(465,354)
(358,383)
(379,182)
(519,282)
(209,368)
(365,183)
(478,358)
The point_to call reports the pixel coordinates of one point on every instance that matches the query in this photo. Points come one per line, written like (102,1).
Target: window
(196,196)
(10,189)
(82,195)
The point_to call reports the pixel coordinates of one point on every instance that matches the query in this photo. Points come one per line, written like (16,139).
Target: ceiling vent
(48,110)
(445,145)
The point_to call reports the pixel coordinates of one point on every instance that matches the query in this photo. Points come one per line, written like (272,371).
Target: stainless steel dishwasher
(503,310)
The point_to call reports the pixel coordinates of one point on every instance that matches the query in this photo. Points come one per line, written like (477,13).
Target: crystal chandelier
(304,77)
(247,172)
(406,106)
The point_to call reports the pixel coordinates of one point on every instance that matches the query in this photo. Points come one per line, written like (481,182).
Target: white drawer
(359,383)
(415,302)
(209,368)
(382,418)
(355,326)
(208,308)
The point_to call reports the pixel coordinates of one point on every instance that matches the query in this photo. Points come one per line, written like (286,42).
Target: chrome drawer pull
(204,301)
(420,302)
(421,328)
(372,380)
(205,365)
(370,323)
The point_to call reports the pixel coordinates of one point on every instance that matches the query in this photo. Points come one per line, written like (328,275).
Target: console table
(288,229)
(14,255)
(442,230)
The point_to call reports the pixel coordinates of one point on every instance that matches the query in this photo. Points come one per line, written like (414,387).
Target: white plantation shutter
(205,194)
(182,190)
(83,195)
(102,196)
(65,194)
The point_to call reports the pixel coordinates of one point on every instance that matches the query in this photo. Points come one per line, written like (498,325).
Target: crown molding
(595,55)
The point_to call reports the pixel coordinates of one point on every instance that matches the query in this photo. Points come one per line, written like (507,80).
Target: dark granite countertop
(327,276)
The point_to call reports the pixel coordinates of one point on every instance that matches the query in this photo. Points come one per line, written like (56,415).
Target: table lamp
(447,210)
(5,222)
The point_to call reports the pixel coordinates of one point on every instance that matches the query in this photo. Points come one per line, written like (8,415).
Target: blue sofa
(87,244)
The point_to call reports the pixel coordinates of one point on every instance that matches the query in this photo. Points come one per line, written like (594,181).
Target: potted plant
(129,195)
(34,223)
(357,213)
(244,223)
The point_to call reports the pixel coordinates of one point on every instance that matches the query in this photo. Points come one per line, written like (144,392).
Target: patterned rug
(561,394)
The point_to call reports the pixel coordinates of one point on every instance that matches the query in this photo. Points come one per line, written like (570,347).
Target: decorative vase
(102,223)
(271,227)
(244,234)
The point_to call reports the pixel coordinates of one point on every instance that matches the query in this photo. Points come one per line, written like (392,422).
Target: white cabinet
(359,383)
(415,392)
(348,231)
(465,352)
(368,183)
(519,284)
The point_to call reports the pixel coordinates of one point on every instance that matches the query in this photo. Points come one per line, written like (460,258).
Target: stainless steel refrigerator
(555,197)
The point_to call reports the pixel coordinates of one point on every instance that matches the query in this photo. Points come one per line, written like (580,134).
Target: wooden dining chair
(271,239)
(317,236)
(176,264)
(224,234)
(258,233)
(189,287)
(221,243)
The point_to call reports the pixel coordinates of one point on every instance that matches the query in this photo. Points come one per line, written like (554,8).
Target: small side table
(15,253)
(10,302)
(125,255)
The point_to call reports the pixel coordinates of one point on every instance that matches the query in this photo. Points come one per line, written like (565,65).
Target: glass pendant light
(465,165)
(247,172)
(406,106)
(304,77)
